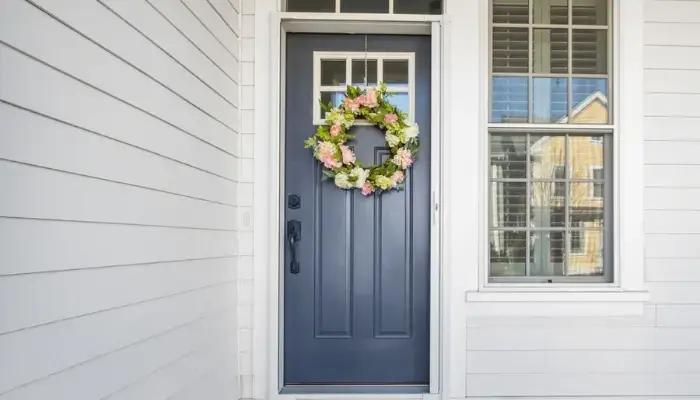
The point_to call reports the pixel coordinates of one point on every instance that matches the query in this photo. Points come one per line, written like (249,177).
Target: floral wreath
(340,163)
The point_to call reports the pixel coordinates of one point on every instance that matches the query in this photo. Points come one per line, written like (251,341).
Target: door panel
(357,312)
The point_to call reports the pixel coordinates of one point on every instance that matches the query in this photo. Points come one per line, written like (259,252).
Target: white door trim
(268,191)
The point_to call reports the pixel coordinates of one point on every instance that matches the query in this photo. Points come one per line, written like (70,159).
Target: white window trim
(627,294)
(350,56)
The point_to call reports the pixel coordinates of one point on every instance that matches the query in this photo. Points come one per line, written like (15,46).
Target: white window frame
(626,294)
(337,7)
(349,57)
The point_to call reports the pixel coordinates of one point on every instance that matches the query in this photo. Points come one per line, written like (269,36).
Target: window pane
(547,204)
(590,51)
(507,253)
(358,72)
(508,202)
(401,101)
(509,99)
(417,6)
(547,250)
(364,6)
(396,72)
(508,157)
(590,101)
(333,72)
(311,5)
(549,97)
(547,157)
(550,51)
(586,253)
(510,12)
(550,12)
(335,98)
(585,155)
(590,12)
(510,50)
(585,210)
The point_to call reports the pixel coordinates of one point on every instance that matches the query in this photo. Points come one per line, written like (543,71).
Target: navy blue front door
(357,311)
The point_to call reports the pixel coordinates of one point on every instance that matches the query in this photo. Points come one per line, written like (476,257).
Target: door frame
(269,192)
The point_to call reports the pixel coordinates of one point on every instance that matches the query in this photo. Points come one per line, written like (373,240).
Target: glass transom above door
(367,6)
(333,71)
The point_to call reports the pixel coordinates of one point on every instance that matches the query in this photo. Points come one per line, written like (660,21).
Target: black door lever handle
(293,236)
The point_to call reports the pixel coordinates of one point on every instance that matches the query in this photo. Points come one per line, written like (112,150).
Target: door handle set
(293,236)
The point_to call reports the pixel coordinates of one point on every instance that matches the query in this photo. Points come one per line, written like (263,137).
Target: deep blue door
(357,313)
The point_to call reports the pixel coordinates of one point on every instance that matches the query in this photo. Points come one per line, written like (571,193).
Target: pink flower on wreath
(396,178)
(367,189)
(403,158)
(361,100)
(371,98)
(348,156)
(326,154)
(335,130)
(351,104)
(391,118)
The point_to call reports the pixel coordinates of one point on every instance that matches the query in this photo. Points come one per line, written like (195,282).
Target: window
(550,142)
(367,6)
(333,71)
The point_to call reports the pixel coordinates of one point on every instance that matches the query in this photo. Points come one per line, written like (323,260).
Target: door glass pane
(333,72)
(417,6)
(590,101)
(508,155)
(334,98)
(550,51)
(589,51)
(509,97)
(508,253)
(549,97)
(508,202)
(586,253)
(364,6)
(550,12)
(590,12)
(547,250)
(311,5)
(510,11)
(400,101)
(358,72)
(396,72)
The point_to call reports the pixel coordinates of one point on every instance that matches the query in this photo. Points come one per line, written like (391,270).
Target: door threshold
(355,389)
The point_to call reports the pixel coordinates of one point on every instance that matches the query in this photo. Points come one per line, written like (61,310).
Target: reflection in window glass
(547,249)
(509,99)
(549,97)
(586,254)
(509,199)
(334,98)
(589,51)
(510,50)
(584,207)
(311,5)
(400,101)
(547,204)
(548,157)
(584,154)
(550,51)
(508,253)
(508,157)
(590,101)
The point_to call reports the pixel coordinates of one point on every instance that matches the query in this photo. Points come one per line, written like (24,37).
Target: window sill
(535,303)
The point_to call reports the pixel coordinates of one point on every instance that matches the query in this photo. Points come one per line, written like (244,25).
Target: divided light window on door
(333,71)
(367,6)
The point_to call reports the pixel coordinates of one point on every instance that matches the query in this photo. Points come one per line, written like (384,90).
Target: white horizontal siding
(119,215)
(657,353)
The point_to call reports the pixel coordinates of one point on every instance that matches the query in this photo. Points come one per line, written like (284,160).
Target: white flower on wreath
(383,182)
(411,131)
(392,140)
(342,180)
(360,176)
(337,117)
